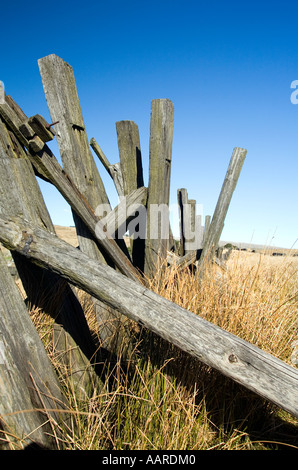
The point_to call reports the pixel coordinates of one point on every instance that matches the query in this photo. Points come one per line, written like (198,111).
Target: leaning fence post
(182,198)
(221,209)
(160,155)
(206,227)
(41,286)
(195,227)
(26,374)
(64,106)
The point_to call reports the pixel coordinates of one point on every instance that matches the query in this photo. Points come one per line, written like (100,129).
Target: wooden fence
(103,266)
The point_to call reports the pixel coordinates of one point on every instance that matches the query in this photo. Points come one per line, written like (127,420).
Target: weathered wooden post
(195,227)
(29,388)
(182,198)
(47,167)
(191,231)
(20,194)
(132,174)
(64,106)
(130,155)
(206,227)
(160,155)
(221,209)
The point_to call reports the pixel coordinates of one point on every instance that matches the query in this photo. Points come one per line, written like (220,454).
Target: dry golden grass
(256,298)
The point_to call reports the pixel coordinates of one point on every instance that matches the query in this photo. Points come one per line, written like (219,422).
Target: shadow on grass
(229,405)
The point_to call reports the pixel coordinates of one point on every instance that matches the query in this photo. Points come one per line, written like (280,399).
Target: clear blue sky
(226,65)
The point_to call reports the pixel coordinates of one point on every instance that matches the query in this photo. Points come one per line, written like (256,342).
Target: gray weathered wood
(64,106)
(41,128)
(221,209)
(195,227)
(20,195)
(132,175)
(27,379)
(99,152)
(206,227)
(191,232)
(130,155)
(160,156)
(182,198)
(110,322)
(47,165)
(241,361)
(113,170)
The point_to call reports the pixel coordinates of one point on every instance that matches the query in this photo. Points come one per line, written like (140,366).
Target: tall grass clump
(161,398)
(256,298)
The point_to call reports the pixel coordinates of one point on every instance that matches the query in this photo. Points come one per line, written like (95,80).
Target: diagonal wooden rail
(241,361)
(49,168)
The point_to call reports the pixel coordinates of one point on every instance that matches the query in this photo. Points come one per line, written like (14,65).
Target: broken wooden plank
(36,144)
(41,128)
(50,166)
(97,149)
(239,360)
(113,170)
(113,329)
(20,194)
(221,209)
(64,106)
(132,176)
(191,232)
(130,155)
(28,381)
(160,157)
(46,164)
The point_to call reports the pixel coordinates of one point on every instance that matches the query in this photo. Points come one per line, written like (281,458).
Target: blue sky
(226,65)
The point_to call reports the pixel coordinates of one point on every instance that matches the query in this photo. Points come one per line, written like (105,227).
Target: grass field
(159,398)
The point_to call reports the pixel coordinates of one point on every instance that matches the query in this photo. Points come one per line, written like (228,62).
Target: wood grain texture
(64,106)
(217,223)
(21,195)
(160,158)
(113,170)
(241,361)
(132,176)
(26,373)
(130,155)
